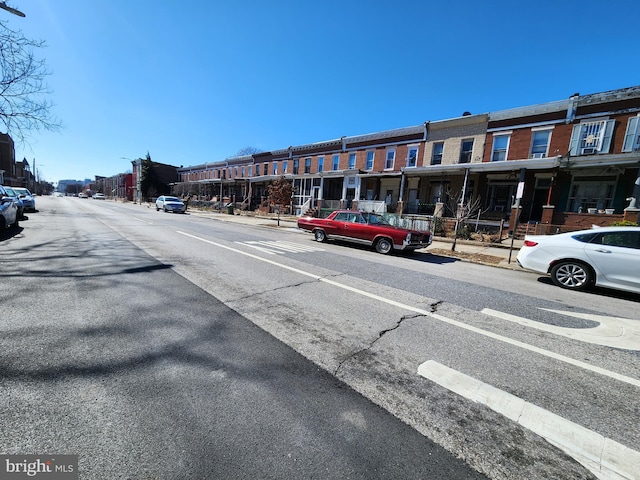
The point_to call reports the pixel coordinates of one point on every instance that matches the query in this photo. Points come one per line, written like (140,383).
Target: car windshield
(172,199)
(23,191)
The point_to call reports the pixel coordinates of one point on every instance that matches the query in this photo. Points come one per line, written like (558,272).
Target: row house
(561,163)
(120,185)
(577,159)
(330,174)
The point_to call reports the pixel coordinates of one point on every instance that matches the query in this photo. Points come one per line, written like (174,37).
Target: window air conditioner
(589,150)
(538,155)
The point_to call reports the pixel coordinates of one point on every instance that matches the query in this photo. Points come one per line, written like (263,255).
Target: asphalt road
(171,308)
(109,354)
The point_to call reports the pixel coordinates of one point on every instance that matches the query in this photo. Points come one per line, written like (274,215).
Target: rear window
(585,237)
(613,239)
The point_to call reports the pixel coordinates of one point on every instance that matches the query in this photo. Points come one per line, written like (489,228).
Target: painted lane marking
(272,247)
(612,332)
(426,313)
(604,457)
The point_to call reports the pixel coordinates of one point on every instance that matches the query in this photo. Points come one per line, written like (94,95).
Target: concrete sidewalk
(493,254)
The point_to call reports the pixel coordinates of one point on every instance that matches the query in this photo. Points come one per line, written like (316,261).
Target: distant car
(604,256)
(99,196)
(8,211)
(365,228)
(170,204)
(83,195)
(28,201)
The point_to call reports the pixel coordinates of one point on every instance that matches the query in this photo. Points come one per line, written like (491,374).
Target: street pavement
(502,255)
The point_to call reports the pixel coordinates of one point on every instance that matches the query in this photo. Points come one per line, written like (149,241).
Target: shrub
(624,223)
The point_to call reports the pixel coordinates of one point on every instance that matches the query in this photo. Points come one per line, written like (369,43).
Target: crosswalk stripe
(275,247)
(604,457)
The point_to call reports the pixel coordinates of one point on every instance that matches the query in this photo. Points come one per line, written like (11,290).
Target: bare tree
(248,151)
(24,107)
(462,211)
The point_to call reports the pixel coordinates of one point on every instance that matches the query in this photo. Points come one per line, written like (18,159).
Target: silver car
(170,204)
(28,201)
(604,256)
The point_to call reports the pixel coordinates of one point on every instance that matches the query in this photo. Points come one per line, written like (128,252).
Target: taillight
(530,243)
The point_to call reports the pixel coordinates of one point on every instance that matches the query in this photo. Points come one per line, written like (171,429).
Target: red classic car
(365,228)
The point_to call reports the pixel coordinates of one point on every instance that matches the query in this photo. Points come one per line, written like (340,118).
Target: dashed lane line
(436,316)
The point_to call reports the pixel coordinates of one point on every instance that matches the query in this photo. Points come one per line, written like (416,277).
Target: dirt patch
(469,257)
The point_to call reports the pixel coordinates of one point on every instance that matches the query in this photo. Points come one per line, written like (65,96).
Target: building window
(412,156)
(285,164)
(243,172)
(370,157)
(275,168)
(257,169)
(320,164)
(336,162)
(296,164)
(352,161)
(500,147)
(390,160)
(265,170)
(591,192)
(307,165)
(466,149)
(540,143)
(250,170)
(436,156)
(591,138)
(632,137)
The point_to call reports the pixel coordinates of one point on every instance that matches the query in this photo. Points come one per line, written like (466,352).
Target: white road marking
(612,332)
(273,247)
(436,316)
(614,456)
(143,220)
(604,457)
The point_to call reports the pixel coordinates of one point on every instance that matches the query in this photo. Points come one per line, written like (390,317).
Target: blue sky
(196,81)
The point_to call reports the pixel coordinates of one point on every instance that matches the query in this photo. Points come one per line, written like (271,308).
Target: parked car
(170,204)
(28,201)
(99,196)
(604,256)
(8,211)
(365,228)
(16,198)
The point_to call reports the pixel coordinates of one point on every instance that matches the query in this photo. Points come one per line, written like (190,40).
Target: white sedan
(170,204)
(605,256)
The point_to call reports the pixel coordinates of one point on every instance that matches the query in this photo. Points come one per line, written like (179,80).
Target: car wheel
(384,246)
(165,210)
(319,235)
(15,225)
(572,275)
(157,208)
